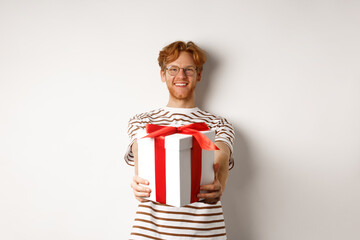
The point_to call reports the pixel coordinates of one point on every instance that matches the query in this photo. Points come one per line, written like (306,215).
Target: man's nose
(181,73)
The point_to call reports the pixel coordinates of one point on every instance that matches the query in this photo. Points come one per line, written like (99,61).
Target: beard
(181,95)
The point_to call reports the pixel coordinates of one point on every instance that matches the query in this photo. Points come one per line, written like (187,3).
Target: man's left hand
(214,190)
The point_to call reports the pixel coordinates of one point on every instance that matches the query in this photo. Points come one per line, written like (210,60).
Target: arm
(221,168)
(139,190)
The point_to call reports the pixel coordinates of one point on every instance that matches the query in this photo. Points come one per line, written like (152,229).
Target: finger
(141,194)
(141,199)
(140,180)
(209,196)
(212,201)
(210,187)
(139,188)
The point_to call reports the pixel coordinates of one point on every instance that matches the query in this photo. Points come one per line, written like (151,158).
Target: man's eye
(172,69)
(189,70)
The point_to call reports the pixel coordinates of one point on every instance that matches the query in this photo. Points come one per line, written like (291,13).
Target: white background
(285,73)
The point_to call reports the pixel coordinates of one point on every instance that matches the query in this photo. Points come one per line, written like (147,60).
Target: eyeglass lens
(174,70)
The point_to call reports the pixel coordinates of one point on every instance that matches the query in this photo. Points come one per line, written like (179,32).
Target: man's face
(181,86)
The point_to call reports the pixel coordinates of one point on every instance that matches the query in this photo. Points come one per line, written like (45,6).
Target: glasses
(174,70)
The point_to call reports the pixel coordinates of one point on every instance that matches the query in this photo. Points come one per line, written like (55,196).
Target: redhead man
(181,69)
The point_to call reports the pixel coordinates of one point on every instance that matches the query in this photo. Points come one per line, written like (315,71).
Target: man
(181,69)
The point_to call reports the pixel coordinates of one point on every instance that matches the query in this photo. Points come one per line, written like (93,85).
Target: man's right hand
(139,190)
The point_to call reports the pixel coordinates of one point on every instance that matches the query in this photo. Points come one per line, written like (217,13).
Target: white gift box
(178,165)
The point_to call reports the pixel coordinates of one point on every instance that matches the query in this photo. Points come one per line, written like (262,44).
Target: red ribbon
(200,141)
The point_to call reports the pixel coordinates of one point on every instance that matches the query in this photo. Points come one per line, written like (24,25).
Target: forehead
(184,59)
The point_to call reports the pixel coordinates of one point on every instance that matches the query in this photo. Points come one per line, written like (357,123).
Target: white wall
(285,73)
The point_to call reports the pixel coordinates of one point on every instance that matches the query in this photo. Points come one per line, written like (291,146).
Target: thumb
(216,169)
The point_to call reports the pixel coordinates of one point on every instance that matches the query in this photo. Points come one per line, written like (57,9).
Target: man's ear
(163,76)
(199,75)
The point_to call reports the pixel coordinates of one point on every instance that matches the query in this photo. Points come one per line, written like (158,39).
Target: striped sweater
(193,221)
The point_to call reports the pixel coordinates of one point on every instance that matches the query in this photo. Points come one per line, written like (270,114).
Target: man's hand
(221,169)
(140,191)
(214,190)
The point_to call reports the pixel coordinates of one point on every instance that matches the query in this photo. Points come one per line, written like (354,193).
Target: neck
(181,103)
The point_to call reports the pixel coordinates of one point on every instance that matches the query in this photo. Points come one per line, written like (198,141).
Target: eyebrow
(179,67)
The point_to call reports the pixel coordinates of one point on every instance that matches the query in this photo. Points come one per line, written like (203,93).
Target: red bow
(190,129)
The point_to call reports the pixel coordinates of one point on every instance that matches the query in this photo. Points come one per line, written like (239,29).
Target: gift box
(176,163)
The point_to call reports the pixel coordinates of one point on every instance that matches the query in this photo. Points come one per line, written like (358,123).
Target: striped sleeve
(225,133)
(135,123)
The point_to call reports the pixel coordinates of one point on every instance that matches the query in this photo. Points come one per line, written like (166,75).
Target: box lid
(179,141)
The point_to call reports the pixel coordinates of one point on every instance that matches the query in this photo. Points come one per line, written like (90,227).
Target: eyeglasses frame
(167,68)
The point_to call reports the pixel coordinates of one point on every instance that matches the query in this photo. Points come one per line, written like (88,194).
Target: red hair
(172,51)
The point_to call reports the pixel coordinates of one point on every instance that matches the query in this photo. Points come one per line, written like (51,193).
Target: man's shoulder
(212,116)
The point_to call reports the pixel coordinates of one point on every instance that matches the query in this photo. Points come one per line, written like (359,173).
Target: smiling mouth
(180,84)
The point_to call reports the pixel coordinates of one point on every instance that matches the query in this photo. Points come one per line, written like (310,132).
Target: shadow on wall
(204,86)
(236,201)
